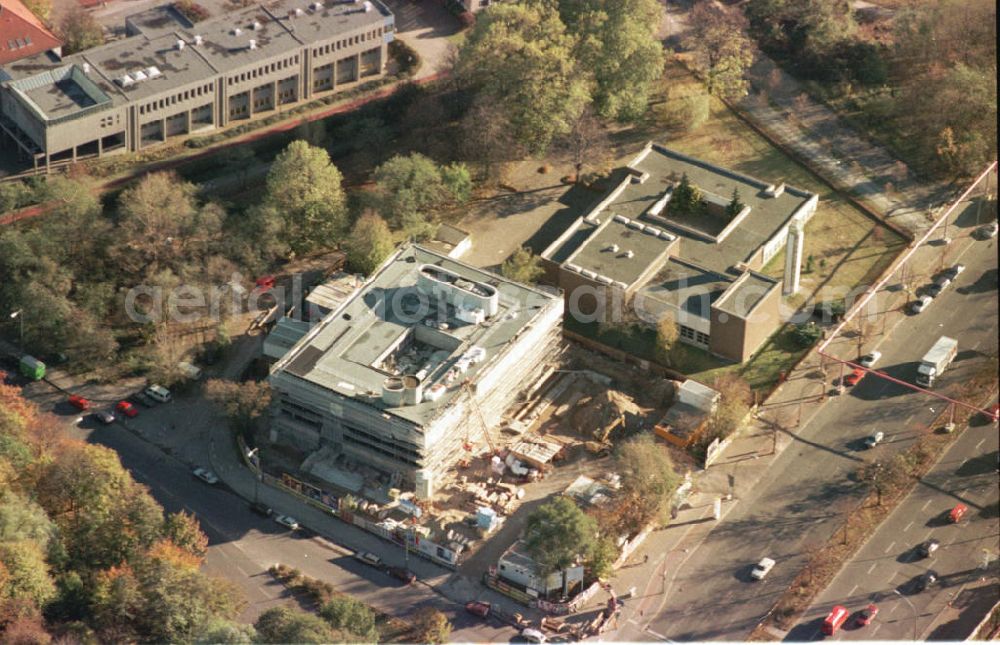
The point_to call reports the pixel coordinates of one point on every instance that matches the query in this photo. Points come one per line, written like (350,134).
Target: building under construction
(416,369)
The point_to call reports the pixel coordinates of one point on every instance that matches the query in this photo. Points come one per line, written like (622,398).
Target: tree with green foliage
(304,191)
(431,626)
(558,534)
(289,625)
(617,44)
(521,59)
(603,557)
(369,243)
(686,198)
(522,266)
(41,8)
(244,403)
(25,573)
(805,334)
(184,530)
(79,31)
(723,52)
(649,481)
(227,632)
(410,190)
(735,205)
(348,614)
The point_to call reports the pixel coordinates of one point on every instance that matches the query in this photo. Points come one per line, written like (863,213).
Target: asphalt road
(710,596)
(888,562)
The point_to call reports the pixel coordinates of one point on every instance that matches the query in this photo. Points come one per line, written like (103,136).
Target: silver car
(918,305)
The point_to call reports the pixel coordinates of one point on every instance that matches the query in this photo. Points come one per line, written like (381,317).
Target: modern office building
(415,370)
(171,78)
(631,255)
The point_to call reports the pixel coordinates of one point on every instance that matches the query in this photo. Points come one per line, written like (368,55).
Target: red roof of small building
(22,34)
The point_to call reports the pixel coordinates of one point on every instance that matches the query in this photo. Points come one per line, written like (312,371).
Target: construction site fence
(549,607)
(329,503)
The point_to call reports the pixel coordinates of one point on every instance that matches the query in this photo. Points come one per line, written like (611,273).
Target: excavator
(601,445)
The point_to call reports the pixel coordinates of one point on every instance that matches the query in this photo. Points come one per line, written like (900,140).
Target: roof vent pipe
(237,31)
(198,40)
(630,253)
(180,44)
(253,44)
(86,68)
(256,25)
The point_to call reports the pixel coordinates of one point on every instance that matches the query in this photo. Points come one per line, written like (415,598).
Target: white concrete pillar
(793,258)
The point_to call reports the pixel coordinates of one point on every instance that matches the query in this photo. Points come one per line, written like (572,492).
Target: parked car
(260,508)
(762,568)
(955,271)
(264,283)
(205,475)
(939,285)
(856,375)
(104,417)
(988,231)
(477,608)
(921,303)
(532,635)
(287,521)
(869,360)
(956,514)
(925,580)
(127,409)
(874,439)
(867,615)
(158,393)
(402,573)
(928,547)
(79,402)
(369,558)
(142,400)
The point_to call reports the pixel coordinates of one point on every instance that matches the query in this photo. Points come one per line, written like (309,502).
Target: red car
(127,409)
(402,574)
(852,379)
(867,615)
(956,514)
(79,402)
(477,608)
(265,282)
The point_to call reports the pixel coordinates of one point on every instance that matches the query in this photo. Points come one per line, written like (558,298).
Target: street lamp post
(20,319)
(912,608)
(254,457)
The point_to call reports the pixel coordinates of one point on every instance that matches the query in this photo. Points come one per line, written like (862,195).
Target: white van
(532,635)
(158,393)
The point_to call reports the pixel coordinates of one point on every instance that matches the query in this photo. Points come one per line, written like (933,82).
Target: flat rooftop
(685,288)
(158,21)
(745,293)
(391,328)
(61,93)
(767,214)
(162,65)
(619,251)
(333,17)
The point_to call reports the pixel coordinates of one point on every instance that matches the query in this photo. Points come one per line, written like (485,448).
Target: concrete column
(274,94)
(189,121)
(163,129)
(793,258)
(250,103)
(100,147)
(357,67)
(73,155)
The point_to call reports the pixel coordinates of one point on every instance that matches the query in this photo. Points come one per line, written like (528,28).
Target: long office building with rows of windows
(170,78)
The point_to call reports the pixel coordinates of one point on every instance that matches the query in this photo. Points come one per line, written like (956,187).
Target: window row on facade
(347,42)
(159,104)
(270,68)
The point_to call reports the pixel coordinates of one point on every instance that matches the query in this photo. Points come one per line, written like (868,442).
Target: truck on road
(936,361)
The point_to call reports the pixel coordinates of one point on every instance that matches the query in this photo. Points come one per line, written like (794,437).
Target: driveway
(425,26)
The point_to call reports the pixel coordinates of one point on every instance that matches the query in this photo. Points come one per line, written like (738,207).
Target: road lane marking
(926,504)
(889,548)
(893,608)
(875,628)
(907,527)
(660,636)
(853,589)
(980,443)
(871,567)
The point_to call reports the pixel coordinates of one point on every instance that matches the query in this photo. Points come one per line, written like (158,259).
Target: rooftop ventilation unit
(622,219)
(126,81)
(256,25)
(86,68)
(179,44)
(237,31)
(153,72)
(368,6)
(613,248)
(253,44)
(139,76)
(635,225)
(198,40)
(666,236)
(630,254)
(651,230)
(317,6)
(299,12)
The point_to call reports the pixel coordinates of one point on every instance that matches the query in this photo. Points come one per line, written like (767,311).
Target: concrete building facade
(170,78)
(416,369)
(632,257)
